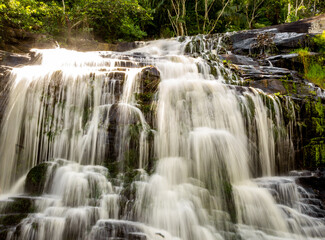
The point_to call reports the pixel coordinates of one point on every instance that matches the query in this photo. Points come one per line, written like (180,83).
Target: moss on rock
(36,178)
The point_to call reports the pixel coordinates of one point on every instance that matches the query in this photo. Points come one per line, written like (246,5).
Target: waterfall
(161,142)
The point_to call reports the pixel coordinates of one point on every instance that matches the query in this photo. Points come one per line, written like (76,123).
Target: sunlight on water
(113,171)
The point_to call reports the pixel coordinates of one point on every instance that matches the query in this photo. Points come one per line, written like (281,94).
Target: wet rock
(303,173)
(36,178)
(289,61)
(124,128)
(238,59)
(269,86)
(11,219)
(309,132)
(282,74)
(262,72)
(285,36)
(315,185)
(260,41)
(18,205)
(290,39)
(126,46)
(116,230)
(150,78)
(115,81)
(13,59)
(307,25)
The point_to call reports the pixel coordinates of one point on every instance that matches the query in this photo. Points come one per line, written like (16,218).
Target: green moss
(227,188)
(131,159)
(285,85)
(320,109)
(113,169)
(270,105)
(313,129)
(319,41)
(36,178)
(316,74)
(314,69)
(294,87)
(301,51)
(134,131)
(145,101)
(251,105)
(319,124)
(144,97)
(314,153)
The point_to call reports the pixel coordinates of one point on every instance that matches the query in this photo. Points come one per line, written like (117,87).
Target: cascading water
(118,157)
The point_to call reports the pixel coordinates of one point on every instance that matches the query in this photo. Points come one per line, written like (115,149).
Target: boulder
(13,59)
(150,78)
(284,36)
(36,179)
(259,41)
(269,86)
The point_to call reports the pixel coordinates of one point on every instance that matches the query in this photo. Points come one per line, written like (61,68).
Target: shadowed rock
(121,230)
(35,180)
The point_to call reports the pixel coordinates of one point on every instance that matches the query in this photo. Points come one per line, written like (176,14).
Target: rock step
(9,220)
(18,205)
(116,230)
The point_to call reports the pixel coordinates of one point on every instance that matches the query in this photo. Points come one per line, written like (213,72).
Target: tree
(298,9)
(253,11)
(178,20)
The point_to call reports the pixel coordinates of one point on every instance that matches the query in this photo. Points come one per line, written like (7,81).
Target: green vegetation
(126,20)
(316,74)
(314,66)
(313,128)
(105,20)
(319,41)
(29,14)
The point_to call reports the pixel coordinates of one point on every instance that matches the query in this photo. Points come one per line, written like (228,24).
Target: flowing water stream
(197,162)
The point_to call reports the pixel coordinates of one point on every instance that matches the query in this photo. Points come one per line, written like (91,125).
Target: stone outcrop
(12,211)
(282,37)
(264,59)
(36,179)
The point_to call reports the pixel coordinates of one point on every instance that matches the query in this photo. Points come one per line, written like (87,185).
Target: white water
(210,142)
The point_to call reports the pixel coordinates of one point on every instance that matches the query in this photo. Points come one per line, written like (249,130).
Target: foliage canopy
(114,20)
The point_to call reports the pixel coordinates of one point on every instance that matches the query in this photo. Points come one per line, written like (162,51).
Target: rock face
(150,79)
(12,211)
(311,121)
(124,120)
(35,180)
(284,37)
(263,60)
(13,59)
